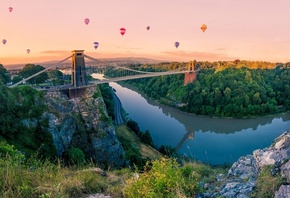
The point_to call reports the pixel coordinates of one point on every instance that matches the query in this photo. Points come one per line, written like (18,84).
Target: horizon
(235,30)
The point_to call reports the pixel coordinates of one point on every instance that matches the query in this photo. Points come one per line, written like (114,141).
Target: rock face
(242,176)
(83,123)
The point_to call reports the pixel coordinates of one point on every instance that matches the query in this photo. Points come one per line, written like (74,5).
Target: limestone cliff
(242,177)
(83,123)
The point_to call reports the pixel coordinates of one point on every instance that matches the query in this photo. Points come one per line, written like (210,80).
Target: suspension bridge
(79,69)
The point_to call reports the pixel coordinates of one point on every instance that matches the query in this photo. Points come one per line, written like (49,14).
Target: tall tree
(4,75)
(29,70)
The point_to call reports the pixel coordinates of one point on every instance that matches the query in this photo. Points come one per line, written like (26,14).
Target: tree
(56,77)
(146,138)
(4,75)
(29,70)
(256,98)
(133,126)
(16,79)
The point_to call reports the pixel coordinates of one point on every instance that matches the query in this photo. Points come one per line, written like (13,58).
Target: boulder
(283,192)
(242,176)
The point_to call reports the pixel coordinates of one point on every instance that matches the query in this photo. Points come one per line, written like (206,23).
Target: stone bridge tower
(191,75)
(78,76)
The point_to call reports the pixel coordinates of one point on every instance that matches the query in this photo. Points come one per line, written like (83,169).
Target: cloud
(129,48)
(199,56)
(221,49)
(56,52)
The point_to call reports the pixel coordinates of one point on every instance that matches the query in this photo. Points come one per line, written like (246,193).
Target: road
(117,110)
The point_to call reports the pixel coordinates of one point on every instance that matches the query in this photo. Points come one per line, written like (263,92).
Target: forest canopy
(222,89)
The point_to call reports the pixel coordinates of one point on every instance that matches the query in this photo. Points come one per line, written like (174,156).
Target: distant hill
(112,61)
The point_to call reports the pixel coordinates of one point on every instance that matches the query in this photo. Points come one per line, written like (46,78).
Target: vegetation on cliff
(21,123)
(20,177)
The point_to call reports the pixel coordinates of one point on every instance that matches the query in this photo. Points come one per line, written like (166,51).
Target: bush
(9,150)
(133,154)
(164,178)
(74,156)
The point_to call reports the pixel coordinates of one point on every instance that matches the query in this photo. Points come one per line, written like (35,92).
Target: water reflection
(216,125)
(186,137)
(212,140)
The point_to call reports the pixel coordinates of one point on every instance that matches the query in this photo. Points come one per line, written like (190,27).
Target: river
(210,140)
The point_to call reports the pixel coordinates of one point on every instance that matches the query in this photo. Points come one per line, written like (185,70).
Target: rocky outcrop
(242,176)
(83,123)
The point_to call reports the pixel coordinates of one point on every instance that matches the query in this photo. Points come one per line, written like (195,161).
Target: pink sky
(248,29)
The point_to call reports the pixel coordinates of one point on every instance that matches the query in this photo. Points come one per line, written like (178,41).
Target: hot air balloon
(87,20)
(203,27)
(96,45)
(28,51)
(176,44)
(10,9)
(148,27)
(122,31)
(4,41)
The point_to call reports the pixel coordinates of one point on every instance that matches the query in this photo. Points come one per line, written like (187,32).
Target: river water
(210,140)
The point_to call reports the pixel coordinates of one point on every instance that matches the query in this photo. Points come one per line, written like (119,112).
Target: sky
(254,30)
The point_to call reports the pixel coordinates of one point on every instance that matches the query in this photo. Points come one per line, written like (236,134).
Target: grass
(46,179)
(146,151)
(267,183)
(162,177)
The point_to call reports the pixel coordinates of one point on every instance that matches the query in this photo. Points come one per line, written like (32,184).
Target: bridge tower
(190,76)
(78,76)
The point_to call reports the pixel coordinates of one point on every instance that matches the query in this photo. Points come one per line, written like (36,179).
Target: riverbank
(211,140)
(170,104)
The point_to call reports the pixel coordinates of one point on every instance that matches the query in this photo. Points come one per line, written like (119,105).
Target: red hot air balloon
(4,41)
(28,51)
(87,20)
(10,9)
(176,44)
(148,27)
(203,27)
(96,45)
(122,31)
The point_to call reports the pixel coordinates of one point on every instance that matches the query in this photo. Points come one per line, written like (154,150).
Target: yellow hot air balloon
(203,27)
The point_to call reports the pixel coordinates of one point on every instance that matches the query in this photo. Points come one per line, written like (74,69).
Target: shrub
(9,150)
(163,178)
(75,156)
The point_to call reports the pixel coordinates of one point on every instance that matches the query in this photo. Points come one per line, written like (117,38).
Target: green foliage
(29,70)
(132,153)
(56,77)
(108,99)
(16,79)
(163,178)
(7,150)
(224,90)
(144,136)
(169,151)
(21,121)
(74,156)
(4,75)
(133,126)
(267,183)
(44,179)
